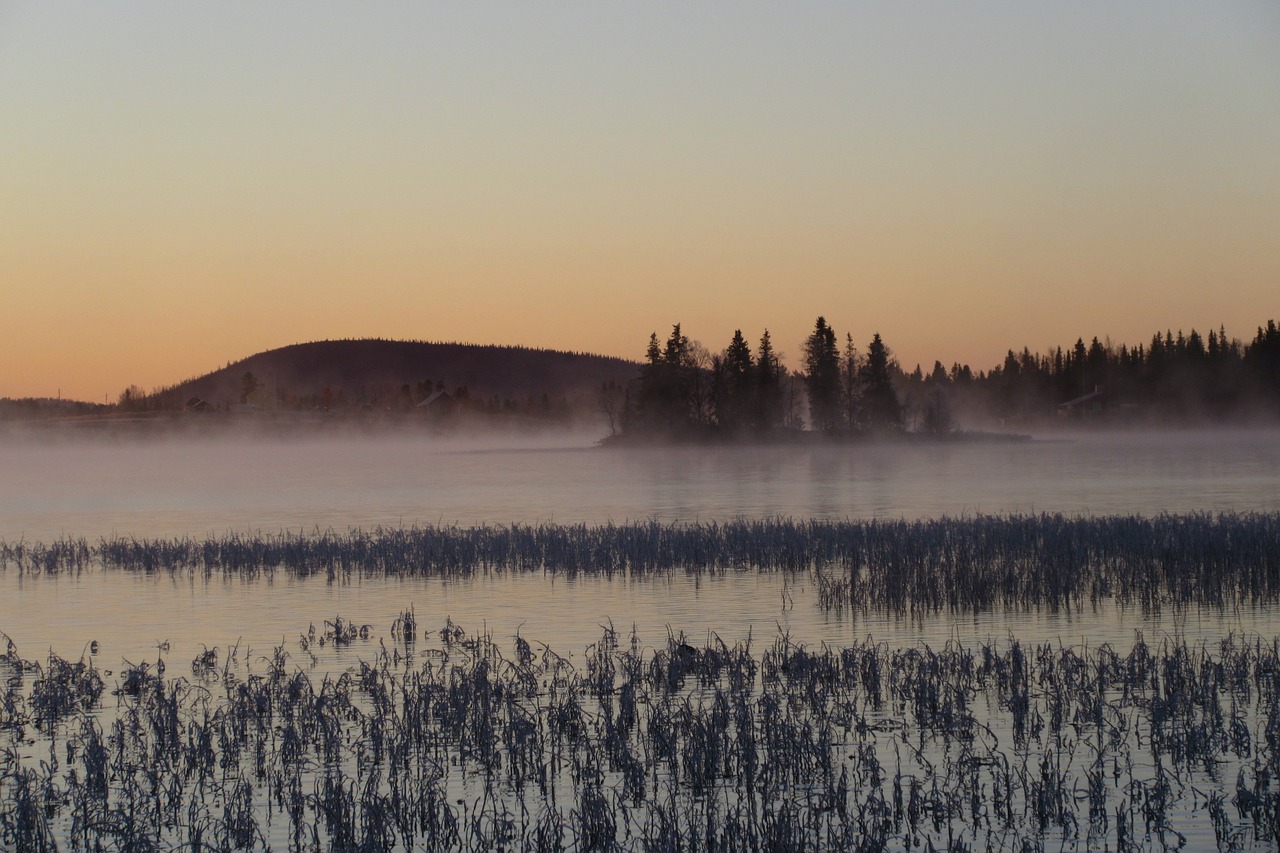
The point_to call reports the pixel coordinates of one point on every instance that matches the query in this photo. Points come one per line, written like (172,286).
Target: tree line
(1175,378)
(684,390)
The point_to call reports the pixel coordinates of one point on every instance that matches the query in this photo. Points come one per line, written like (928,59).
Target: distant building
(439,403)
(198,404)
(262,397)
(1085,406)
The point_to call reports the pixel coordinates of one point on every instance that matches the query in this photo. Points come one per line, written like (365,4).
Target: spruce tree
(734,385)
(884,412)
(851,384)
(822,377)
(769,408)
(664,400)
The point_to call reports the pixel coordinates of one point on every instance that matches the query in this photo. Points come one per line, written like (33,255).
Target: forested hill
(374,371)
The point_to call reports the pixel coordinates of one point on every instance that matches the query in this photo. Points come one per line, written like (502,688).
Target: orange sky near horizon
(183,187)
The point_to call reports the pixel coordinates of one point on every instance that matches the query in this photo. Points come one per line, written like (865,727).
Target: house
(440,403)
(262,397)
(198,404)
(1085,406)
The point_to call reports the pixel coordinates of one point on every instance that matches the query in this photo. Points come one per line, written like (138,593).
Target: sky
(186,184)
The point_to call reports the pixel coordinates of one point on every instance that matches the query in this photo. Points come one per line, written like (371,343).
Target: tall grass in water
(458,741)
(949,564)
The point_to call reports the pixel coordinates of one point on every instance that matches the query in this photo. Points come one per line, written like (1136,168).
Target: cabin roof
(438,397)
(1084,398)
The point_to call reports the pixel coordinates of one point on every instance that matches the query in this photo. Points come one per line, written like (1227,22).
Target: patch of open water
(180,488)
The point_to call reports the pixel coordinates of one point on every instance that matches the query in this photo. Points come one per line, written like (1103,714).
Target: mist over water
(212,486)
(197,487)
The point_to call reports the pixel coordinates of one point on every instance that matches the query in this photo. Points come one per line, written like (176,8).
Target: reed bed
(917,567)
(449,740)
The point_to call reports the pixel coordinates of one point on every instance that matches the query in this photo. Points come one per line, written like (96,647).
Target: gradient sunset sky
(185,184)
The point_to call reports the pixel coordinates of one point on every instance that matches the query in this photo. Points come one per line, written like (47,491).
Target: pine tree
(666,399)
(851,384)
(884,412)
(822,377)
(769,403)
(734,385)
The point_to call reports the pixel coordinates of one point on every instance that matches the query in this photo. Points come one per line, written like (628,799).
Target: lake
(184,487)
(216,486)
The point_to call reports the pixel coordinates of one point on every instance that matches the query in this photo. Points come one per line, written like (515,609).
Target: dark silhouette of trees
(926,399)
(822,377)
(1262,359)
(937,419)
(613,400)
(851,384)
(734,387)
(770,403)
(248,384)
(668,399)
(883,411)
(757,396)
(683,391)
(132,399)
(1175,378)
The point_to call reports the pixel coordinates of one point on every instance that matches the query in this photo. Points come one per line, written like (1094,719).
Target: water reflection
(198,488)
(130,614)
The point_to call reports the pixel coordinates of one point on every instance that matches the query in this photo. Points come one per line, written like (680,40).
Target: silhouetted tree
(698,372)
(612,399)
(1096,364)
(792,387)
(937,418)
(769,398)
(822,377)
(884,413)
(734,386)
(851,384)
(669,394)
(1182,377)
(1262,358)
(248,384)
(132,399)
(938,375)
(933,393)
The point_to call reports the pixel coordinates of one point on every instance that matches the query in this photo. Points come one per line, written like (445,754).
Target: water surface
(196,488)
(187,487)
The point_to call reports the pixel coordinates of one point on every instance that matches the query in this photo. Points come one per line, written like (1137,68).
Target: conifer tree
(665,401)
(851,384)
(884,412)
(769,404)
(734,385)
(822,377)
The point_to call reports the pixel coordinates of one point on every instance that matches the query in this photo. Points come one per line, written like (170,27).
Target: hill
(374,372)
